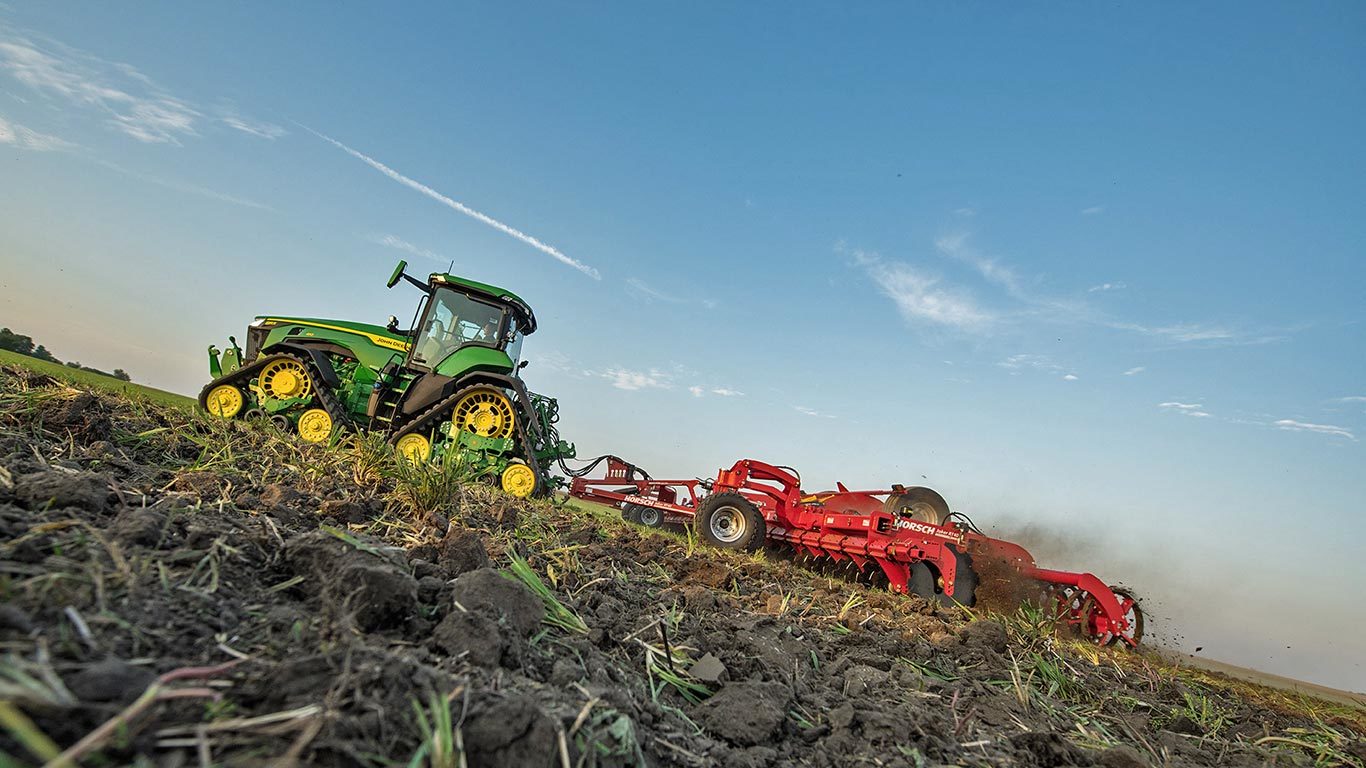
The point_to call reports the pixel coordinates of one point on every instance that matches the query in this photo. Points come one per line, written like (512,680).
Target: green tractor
(448,388)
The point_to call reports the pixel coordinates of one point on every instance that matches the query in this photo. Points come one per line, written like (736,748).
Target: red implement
(907,533)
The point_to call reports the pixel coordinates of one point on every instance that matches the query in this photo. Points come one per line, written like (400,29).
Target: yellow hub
(315,425)
(414,447)
(224,401)
(284,379)
(518,480)
(486,412)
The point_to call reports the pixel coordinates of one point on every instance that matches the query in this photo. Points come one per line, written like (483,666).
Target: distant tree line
(17,342)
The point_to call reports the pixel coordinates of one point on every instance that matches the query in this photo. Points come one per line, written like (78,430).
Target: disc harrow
(908,534)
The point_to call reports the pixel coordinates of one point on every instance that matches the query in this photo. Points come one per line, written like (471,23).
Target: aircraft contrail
(459,207)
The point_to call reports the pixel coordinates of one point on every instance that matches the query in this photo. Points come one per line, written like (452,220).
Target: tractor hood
(373,345)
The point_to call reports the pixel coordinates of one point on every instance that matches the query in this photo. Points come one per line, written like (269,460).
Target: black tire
(728,520)
(650,517)
(628,513)
(918,503)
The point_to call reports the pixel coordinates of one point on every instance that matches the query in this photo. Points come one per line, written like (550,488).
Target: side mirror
(523,364)
(397,275)
(392,325)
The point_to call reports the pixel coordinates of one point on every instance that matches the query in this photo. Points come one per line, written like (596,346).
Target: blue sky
(1095,269)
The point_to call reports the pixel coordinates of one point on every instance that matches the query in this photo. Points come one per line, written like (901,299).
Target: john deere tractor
(447,388)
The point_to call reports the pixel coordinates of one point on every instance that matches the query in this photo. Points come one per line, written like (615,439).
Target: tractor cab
(462,324)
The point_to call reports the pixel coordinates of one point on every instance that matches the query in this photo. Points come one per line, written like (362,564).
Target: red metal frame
(853,526)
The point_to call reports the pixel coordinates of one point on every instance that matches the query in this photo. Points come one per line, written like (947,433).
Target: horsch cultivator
(907,534)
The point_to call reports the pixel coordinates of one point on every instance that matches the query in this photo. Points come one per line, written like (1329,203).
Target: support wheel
(315,425)
(224,401)
(518,480)
(649,516)
(730,521)
(414,447)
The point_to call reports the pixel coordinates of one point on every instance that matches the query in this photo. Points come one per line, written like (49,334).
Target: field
(178,591)
(96,380)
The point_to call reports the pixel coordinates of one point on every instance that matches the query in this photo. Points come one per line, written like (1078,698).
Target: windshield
(454,320)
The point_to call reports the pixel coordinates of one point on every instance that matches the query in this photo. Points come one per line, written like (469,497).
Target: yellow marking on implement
(383,341)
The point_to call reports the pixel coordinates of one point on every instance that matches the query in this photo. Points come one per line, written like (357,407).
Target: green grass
(96,380)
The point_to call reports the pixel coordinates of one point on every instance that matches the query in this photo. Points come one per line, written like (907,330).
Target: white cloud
(1135,370)
(399,244)
(1022,362)
(1069,377)
(966,212)
(1324,429)
(1093,210)
(919,297)
(458,207)
(1352,399)
(130,101)
(1106,287)
(180,186)
(637,287)
(648,293)
(255,128)
(623,378)
(957,247)
(17,135)
(699,391)
(802,409)
(1187,409)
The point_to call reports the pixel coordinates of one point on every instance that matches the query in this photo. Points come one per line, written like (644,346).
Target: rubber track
(432,414)
(242,377)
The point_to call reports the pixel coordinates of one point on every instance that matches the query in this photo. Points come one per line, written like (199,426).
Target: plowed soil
(183,592)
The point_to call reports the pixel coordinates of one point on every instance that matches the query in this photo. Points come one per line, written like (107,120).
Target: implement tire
(728,520)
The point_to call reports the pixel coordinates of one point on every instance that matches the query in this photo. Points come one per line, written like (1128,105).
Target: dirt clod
(474,636)
(111,680)
(463,551)
(138,526)
(511,732)
(500,598)
(746,713)
(1048,750)
(12,618)
(984,633)
(84,490)
(1121,756)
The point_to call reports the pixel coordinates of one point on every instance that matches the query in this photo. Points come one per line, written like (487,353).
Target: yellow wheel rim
(485,412)
(519,480)
(284,379)
(415,448)
(315,425)
(224,401)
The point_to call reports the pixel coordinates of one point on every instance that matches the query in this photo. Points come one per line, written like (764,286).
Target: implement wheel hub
(284,379)
(315,425)
(728,524)
(485,412)
(414,447)
(224,401)
(518,480)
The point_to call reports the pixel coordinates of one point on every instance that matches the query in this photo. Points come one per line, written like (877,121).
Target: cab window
(454,320)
